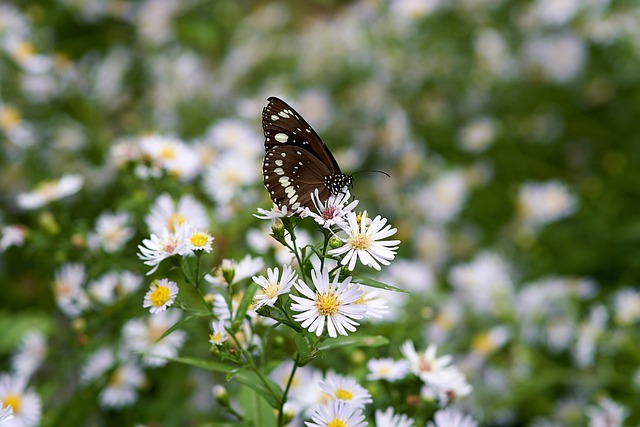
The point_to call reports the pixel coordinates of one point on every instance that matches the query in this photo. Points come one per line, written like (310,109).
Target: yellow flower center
(483,344)
(327,304)
(272,290)
(199,240)
(385,370)
(167,152)
(343,394)
(215,337)
(154,332)
(175,218)
(336,423)
(23,50)
(360,241)
(9,117)
(47,189)
(160,296)
(116,379)
(13,400)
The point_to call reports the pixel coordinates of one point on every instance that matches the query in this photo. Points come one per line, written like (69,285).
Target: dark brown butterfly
(296,161)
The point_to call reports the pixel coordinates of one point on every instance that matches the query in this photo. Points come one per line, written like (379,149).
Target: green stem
(286,391)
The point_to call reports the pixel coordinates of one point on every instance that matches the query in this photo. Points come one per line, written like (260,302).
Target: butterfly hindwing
(291,174)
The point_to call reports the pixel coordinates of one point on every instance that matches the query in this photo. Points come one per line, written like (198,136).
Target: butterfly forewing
(284,126)
(296,161)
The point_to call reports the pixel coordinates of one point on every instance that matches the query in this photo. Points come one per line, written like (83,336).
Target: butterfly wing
(291,174)
(283,126)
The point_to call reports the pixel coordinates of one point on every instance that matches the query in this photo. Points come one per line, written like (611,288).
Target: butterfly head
(337,183)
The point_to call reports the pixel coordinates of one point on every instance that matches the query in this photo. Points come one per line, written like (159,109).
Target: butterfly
(296,161)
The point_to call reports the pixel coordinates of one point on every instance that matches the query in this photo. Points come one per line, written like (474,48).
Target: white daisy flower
(332,211)
(165,213)
(50,191)
(12,235)
(219,334)
(606,413)
(27,408)
(376,307)
(273,285)
(331,302)
(346,389)
(114,284)
(540,203)
(274,214)
(161,295)
(447,385)
(6,413)
(387,369)
(30,354)
(67,288)
(450,417)
(303,391)
(424,363)
(224,180)
(197,239)
(172,155)
(97,364)
(122,387)
(158,248)
(245,268)
(389,418)
(142,335)
(111,232)
(364,242)
(337,413)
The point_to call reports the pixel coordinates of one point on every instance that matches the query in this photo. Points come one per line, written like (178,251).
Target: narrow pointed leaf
(182,321)
(376,284)
(354,341)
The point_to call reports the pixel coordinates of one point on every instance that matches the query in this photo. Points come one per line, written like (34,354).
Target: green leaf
(271,392)
(255,410)
(307,349)
(375,284)
(247,300)
(353,341)
(182,321)
(187,269)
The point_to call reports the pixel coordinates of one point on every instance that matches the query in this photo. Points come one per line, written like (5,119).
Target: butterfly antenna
(373,170)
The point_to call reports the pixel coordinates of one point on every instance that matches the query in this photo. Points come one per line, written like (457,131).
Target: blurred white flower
(558,58)
(29,354)
(26,404)
(236,137)
(493,53)
(12,235)
(451,417)
(50,191)
(165,213)
(606,413)
(98,363)
(68,289)
(219,334)
(389,418)
(588,335)
(112,285)
(111,232)
(484,283)
(387,369)
(540,203)
(24,54)
(142,335)
(477,135)
(171,155)
(627,306)
(442,199)
(122,386)
(224,180)
(6,413)
(556,12)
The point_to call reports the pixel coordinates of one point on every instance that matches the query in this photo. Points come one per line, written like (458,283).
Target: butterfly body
(296,161)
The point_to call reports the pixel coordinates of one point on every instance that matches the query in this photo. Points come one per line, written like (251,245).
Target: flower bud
(220,394)
(277,228)
(228,270)
(335,242)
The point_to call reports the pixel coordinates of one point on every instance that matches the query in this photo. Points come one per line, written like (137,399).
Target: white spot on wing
(281,137)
